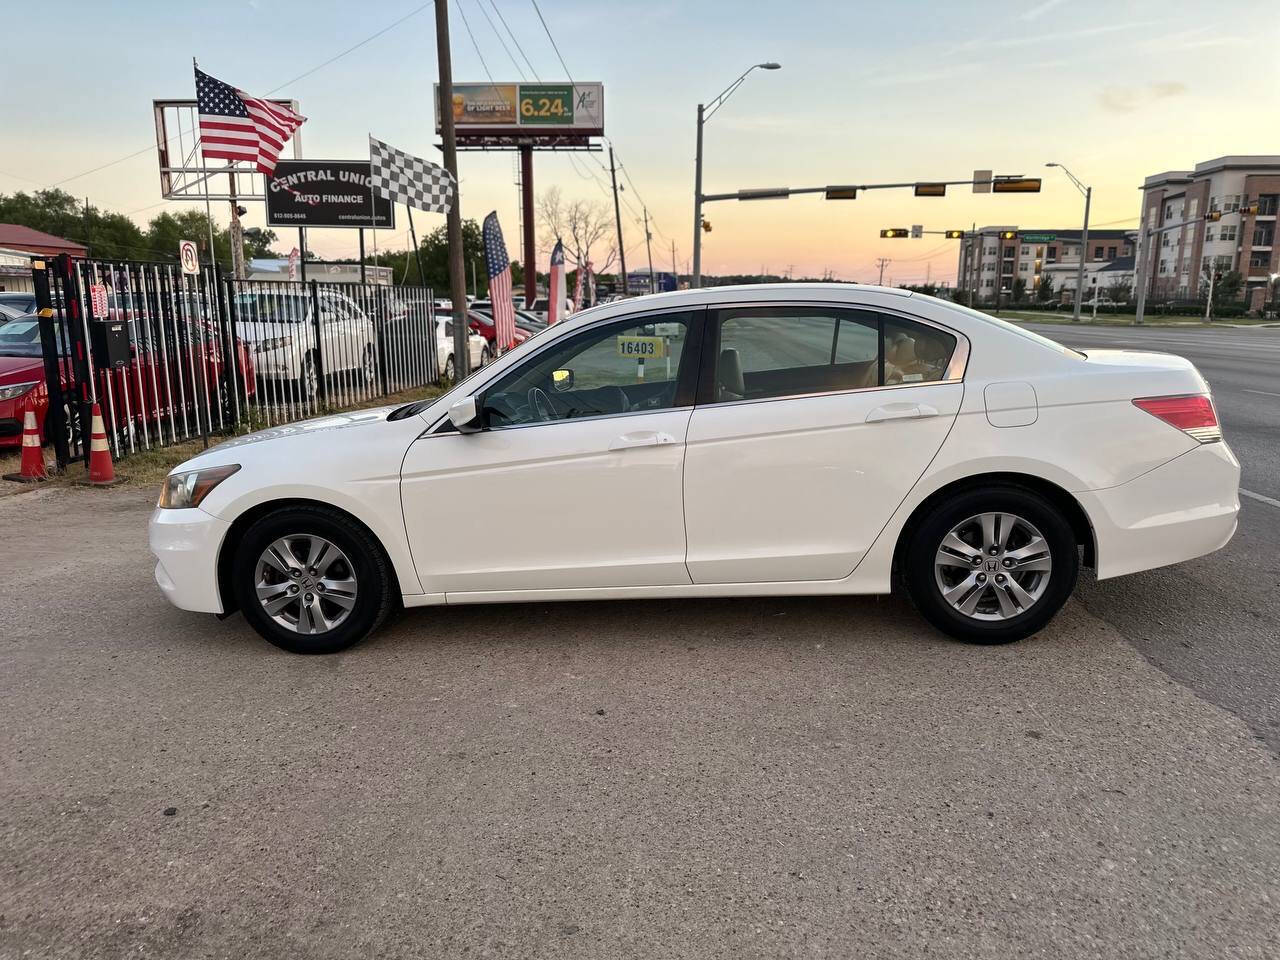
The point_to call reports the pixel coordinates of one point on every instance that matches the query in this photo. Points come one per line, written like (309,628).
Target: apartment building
(1187,246)
(994,260)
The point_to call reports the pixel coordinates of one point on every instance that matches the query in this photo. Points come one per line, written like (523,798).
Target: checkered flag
(402,177)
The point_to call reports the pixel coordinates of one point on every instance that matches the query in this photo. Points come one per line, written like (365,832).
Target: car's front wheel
(311,580)
(992,565)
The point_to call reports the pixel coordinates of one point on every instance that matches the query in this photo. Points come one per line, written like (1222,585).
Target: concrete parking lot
(747,778)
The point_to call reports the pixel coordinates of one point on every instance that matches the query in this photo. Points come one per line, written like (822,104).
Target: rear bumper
(1181,510)
(185,544)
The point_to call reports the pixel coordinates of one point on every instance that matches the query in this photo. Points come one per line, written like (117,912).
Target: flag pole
(204,182)
(417,253)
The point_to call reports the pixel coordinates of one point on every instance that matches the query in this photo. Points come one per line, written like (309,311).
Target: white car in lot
(279,326)
(770,440)
(478,349)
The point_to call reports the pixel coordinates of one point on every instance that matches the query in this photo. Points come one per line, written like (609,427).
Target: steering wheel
(540,404)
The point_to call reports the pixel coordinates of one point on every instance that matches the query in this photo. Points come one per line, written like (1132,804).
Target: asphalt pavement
(1213,623)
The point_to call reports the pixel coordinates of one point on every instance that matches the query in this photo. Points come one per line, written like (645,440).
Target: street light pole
(704,114)
(1084,242)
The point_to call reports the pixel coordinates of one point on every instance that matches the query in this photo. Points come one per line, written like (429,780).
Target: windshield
(21,337)
(280,307)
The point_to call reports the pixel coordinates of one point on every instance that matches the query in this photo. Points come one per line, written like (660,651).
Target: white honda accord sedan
(734,441)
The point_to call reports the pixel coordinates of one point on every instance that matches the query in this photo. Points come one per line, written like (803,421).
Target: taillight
(1192,414)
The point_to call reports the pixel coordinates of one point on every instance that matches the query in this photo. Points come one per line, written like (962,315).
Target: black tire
(450,369)
(374,599)
(922,548)
(485,357)
(310,384)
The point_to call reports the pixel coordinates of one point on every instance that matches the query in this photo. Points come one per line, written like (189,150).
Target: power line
(300,76)
(466,24)
(498,34)
(554,45)
(511,33)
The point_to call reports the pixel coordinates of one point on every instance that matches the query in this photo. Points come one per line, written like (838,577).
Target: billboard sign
(534,109)
(325,193)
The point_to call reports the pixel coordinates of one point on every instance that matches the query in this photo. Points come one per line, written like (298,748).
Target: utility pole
(653,287)
(457,274)
(882,262)
(675,272)
(617,218)
(695,279)
(1140,265)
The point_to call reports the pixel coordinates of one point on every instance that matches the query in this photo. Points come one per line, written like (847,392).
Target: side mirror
(465,415)
(562,380)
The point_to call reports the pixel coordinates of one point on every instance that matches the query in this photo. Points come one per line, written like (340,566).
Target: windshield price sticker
(647,348)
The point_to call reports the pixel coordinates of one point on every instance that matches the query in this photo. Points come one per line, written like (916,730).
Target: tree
(1044,292)
(108,235)
(1120,289)
(579,225)
(1228,290)
(258,242)
(1019,291)
(164,232)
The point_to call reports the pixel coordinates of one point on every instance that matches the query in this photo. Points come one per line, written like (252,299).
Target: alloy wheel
(993,566)
(305,583)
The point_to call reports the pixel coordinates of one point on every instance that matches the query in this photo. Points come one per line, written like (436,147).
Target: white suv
(479,349)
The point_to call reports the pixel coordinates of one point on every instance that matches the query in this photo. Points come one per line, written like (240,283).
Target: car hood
(270,444)
(20,369)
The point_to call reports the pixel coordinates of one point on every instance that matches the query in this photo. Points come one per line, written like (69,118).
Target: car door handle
(641,438)
(901,411)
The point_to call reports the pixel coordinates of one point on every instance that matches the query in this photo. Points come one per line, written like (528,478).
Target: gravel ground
(747,778)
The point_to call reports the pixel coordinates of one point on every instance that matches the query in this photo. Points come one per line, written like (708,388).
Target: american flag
(504,311)
(236,126)
(555,285)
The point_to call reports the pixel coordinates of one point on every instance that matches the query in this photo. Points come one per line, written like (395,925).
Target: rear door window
(767,352)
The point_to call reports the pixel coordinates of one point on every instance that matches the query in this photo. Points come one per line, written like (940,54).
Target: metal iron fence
(170,356)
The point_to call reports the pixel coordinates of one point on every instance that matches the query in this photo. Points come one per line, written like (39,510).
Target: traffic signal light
(1251,210)
(1008,234)
(1016,185)
(895,233)
(706,225)
(955,234)
(842,193)
(931,189)
(1213,216)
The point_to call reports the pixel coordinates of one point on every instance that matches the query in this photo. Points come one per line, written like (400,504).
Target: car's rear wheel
(311,580)
(450,371)
(992,565)
(485,356)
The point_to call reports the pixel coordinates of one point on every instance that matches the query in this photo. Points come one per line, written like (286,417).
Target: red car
(482,324)
(179,382)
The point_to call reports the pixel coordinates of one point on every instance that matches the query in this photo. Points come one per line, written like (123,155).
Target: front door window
(619,368)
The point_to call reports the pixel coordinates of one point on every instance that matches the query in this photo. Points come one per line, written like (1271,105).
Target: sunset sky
(867,93)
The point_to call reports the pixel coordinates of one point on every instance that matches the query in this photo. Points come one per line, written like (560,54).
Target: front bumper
(185,544)
(1183,509)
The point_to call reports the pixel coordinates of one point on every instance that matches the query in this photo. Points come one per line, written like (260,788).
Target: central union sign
(325,193)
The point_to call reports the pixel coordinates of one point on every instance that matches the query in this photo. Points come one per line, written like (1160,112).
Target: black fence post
(382,326)
(74,326)
(317,326)
(56,413)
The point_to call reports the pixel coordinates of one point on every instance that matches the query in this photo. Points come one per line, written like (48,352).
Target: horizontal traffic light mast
(893,233)
(1005,183)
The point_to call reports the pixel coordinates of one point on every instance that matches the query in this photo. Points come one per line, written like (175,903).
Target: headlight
(183,490)
(274,343)
(17,389)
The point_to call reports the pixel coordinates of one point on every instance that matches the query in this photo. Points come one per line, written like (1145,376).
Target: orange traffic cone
(32,468)
(101,473)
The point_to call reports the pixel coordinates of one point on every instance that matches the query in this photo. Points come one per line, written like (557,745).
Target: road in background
(1213,623)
